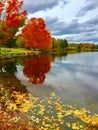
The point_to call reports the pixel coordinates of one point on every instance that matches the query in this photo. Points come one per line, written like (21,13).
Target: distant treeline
(63,44)
(57,44)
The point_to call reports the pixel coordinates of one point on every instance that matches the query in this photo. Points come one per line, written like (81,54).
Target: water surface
(73,77)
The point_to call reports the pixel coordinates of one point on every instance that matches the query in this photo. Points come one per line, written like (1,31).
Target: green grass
(3,50)
(13,50)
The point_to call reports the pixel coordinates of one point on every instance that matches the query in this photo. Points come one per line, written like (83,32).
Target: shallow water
(73,77)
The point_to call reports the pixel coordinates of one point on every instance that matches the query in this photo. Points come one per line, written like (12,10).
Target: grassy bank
(13,50)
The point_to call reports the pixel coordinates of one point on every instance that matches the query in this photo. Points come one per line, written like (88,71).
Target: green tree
(20,41)
(63,43)
(97,46)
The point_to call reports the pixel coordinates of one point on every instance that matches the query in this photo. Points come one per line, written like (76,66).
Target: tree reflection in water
(19,110)
(35,68)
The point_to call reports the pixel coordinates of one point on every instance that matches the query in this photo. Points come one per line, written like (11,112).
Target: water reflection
(8,66)
(26,84)
(75,79)
(35,68)
(8,69)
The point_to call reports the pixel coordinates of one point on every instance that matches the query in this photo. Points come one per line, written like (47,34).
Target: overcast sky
(74,20)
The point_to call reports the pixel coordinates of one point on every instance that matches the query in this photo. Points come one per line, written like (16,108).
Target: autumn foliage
(36,35)
(10,18)
(35,68)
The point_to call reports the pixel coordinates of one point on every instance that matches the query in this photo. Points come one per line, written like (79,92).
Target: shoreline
(9,55)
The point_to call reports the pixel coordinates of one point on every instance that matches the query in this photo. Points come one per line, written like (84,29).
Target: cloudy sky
(74,20)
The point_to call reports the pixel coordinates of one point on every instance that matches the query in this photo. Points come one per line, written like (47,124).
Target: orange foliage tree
(35,68)
(36,34)
(10,19)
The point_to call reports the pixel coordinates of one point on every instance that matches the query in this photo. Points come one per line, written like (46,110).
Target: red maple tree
(10,18)
(36,35)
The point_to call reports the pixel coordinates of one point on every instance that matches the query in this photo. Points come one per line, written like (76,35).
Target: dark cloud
(37,5)
(86,31)
(89,6)
(54,23)
(93,21)
(60,27)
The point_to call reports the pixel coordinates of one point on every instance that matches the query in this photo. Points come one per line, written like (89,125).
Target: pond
(47,92)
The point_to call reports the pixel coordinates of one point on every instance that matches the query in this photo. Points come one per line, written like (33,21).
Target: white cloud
(76,20)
